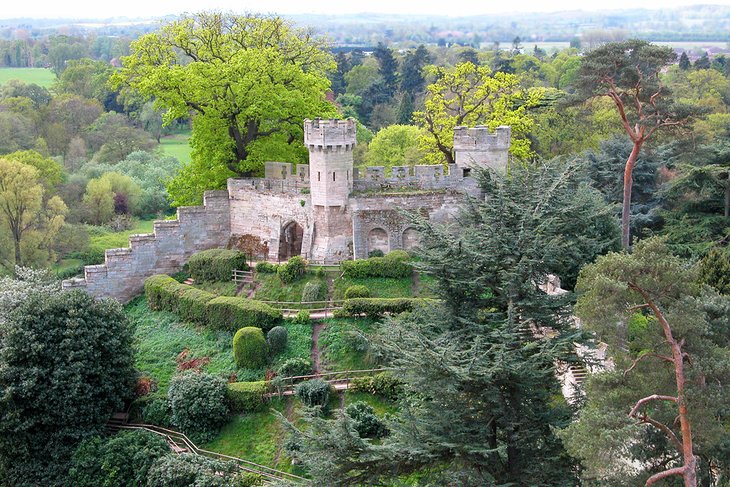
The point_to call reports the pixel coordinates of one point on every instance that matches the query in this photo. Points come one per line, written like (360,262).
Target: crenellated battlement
(479,138)
(416,178)
(330,133)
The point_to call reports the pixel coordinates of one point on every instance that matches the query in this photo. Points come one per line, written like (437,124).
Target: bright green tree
(472,95)
(99,201)
(396,145)
(249,81)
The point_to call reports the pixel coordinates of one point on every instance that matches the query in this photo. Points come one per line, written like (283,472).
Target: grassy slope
(272,289)
(177,146)
(160,337)
(104,239)
(338,343)
(380,287)
(40,76)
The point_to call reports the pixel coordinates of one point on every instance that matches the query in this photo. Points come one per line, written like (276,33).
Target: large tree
(661,410)
(472,95)
(629,74)
(30,219)
(66,365)
(480,404)
(249,80)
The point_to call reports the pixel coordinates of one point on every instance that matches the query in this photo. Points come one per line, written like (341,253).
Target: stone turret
(330,144)
(476,147)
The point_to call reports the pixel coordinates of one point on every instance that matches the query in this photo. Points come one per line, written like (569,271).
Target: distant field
(39,76)
(177,146)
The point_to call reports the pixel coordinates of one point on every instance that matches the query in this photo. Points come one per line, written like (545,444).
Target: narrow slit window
(319,176)
(333,175)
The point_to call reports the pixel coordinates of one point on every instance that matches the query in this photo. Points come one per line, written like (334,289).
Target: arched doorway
(290,241)
(410,238)
(378,240)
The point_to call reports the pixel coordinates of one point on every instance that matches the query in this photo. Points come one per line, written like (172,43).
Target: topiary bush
(198,403)
(292,270)
(376,253)
(396,265)
(161,292)
(247,397)
(367,424)
(267,268)
(295,367)
(250,349)
(192,304)
(229,313)
(315,392)
(216,264)
(357,291)
(314,291)
(276,338)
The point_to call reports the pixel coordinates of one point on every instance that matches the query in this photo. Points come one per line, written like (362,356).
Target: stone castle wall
(123,272)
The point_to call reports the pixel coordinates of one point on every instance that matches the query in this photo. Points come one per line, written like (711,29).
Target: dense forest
(618,183)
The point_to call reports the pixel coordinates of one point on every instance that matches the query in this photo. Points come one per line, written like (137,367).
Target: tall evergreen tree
(412,79)
(387,66)
(337,78)
(684,63)
(479,367)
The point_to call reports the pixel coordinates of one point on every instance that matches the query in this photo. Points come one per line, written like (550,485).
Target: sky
(145,8)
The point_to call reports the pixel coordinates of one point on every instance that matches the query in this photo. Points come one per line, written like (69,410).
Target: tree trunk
(18,257)
(628,183)
(727,196)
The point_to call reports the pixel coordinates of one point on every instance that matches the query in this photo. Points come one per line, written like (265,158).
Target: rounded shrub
(276,338)
(249,348)
(357,291)
(216,264)
(302,317)
(314,291)
(157,412)
(292,270)
(230,313)
(295,367)
(376,253)
(198,403)
(315,392)
(367,424)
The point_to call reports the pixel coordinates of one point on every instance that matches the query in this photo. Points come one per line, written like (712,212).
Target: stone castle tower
(477,148)
(330,144)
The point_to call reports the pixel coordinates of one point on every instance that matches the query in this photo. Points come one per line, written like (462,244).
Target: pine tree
(479,406)
(387,66)
(684,63)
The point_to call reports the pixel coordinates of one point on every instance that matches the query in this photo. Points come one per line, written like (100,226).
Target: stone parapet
(165,251)
(421,177)
(479,138)
(330,133)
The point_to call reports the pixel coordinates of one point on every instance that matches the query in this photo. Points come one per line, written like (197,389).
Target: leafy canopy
(249,81)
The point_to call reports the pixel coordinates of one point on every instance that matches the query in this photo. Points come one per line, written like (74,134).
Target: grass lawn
(102,239)
(40,76)
(257,437)
(380,287)
(66,266)
(160,337)
(342,348)
(272,289)
(177,145)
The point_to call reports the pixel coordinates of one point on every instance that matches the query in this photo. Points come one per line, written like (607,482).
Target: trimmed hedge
(383,384)
(267,267)
(357,291)
(216,264)
(277,338)
(396,264)
(247,397)
(315,392)
(295,367)
(377,306)
(250,349)
(192,304)
(228,313)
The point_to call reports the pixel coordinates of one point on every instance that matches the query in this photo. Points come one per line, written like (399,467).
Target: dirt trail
(415,284)
(316,361)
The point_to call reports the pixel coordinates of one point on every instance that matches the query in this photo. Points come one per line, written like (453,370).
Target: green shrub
(302,317)
(216,264)
(266,268)
(315,392)
(249,348)
(375,307)
(314,291)
(295,367)
(396,264)
(157,412)
(357,291)
(383,384)
(292,270)
(276,338)
(198,403)
(246,397)
(376,253)
(230,313)
(367,424)
(192,303)
(160,291)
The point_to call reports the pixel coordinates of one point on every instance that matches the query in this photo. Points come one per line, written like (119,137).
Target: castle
(326,211)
